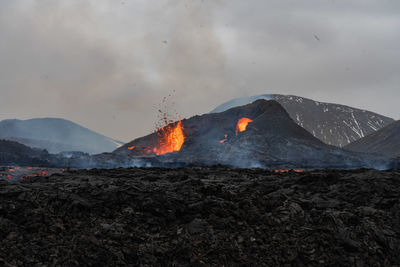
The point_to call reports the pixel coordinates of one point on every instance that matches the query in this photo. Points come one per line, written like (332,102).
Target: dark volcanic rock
(202,217)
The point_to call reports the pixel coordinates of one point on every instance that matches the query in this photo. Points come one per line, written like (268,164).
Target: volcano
(269,139)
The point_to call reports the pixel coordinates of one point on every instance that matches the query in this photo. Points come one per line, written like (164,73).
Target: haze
(107,64)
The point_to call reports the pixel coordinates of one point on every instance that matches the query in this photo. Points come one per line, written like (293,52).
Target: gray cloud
(355,60)
(107,64)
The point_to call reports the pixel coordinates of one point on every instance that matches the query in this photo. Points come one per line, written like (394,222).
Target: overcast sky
(107,64)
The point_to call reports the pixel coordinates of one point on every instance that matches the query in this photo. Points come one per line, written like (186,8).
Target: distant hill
(56,135)
(385,141)
(13,153)
(333,124)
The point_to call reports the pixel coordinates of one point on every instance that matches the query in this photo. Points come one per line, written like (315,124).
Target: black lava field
(212,216)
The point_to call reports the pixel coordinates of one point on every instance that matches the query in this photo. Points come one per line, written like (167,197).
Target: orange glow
(170,139)
(21,173)
(225,139)
(284,171)
(242,125)
(131,147)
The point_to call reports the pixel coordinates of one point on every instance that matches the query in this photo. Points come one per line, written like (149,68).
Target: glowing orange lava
(170,139)
(284,171)
(242,125)
(225,139)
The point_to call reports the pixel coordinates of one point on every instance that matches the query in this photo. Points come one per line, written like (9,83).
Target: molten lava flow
(225,139)
(131,147)
(242,125)
(20,173)
(281,171)
(284,171)
(170,139)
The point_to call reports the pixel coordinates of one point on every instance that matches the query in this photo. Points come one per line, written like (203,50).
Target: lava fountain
(170,139)
(242,125)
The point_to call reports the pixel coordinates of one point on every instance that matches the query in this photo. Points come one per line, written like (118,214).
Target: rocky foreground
(208,216)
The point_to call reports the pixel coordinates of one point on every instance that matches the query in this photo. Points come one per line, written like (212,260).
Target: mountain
(386,141)
(333,124)
(56,135)
(271,140)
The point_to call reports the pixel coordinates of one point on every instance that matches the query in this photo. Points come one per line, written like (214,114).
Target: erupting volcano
(272,140)
(242,125)
(167,138)
(170,139)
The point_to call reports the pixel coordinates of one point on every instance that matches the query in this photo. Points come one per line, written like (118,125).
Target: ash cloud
(108,64)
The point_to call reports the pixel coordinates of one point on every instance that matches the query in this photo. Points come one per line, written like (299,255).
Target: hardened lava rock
(202,217)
